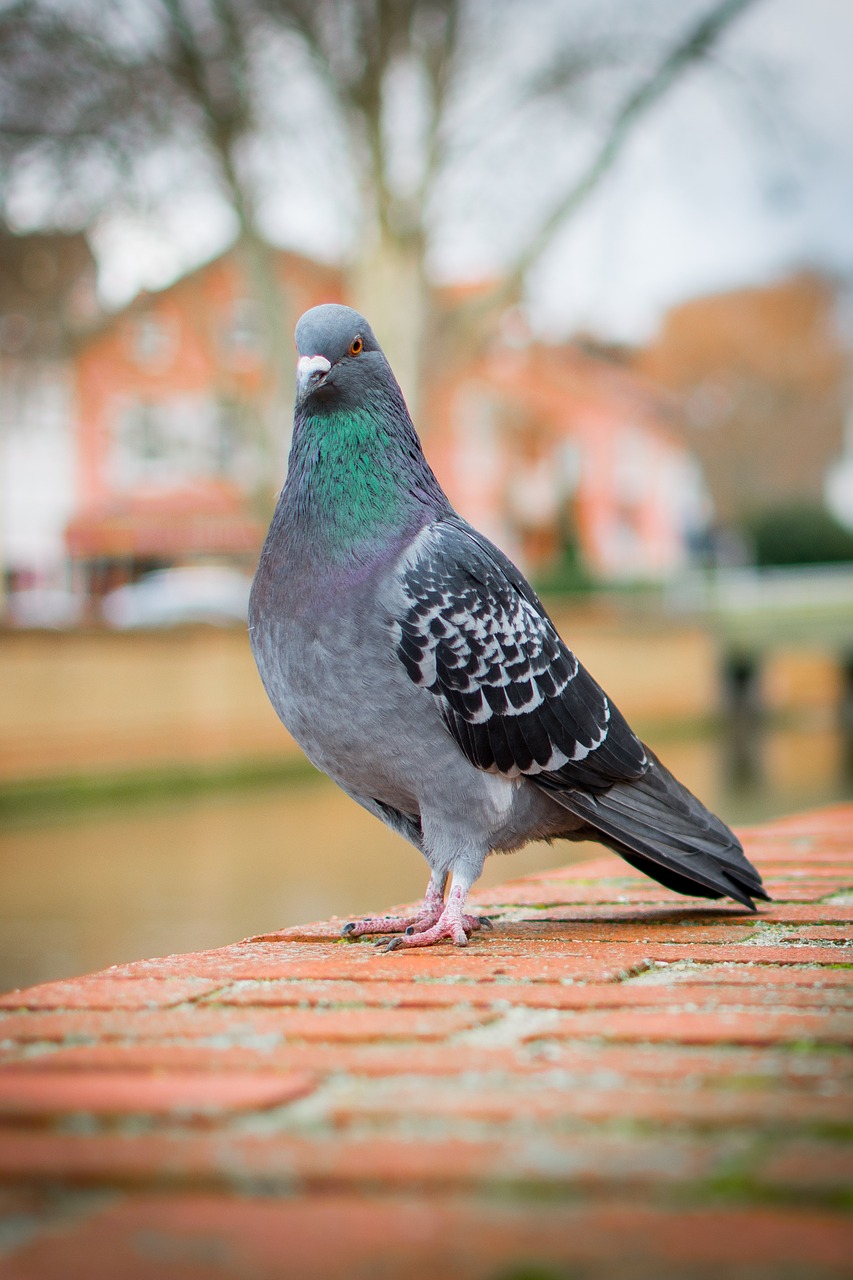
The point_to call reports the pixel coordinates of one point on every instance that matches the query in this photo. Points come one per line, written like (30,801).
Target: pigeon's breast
(330,668)
(336,684)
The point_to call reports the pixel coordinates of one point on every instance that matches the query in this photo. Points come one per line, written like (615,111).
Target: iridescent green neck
(346,478)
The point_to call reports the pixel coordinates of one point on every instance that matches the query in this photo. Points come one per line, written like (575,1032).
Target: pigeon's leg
(429,912)
(453,925)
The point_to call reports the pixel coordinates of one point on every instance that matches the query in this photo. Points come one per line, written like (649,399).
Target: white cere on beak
(306,365)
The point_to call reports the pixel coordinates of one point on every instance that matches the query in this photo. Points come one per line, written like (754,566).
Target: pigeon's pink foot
(428,914)
(453,925)
(391,924)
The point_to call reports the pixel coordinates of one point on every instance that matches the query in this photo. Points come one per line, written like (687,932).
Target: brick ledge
(652,1085)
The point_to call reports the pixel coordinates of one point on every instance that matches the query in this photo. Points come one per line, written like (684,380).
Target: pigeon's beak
(309,372)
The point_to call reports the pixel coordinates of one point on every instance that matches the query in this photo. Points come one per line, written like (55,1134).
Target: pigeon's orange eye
(356,347)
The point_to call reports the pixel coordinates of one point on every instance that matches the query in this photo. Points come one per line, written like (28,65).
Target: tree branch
(691,49)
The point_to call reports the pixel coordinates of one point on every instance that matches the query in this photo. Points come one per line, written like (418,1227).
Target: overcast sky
(725,186)
(742,174)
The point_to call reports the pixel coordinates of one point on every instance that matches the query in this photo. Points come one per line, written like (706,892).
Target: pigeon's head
(340,361)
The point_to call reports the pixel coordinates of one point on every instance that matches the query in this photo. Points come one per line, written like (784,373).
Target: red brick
(805,913)
(720,995)
(598,928)
(258,960)
(144,1056)
(99,992)
(363,963)
(540,1105)
(630,931)
(546,956)
(825,933)
(678,916)
(763,975)
(618,893)
(206,1021)
(788,1069)
(753,1026)
(775,953)
(374,1059)
(560,894)
(202,1235)
(414,995)
(577,1160)
(667,931)
(25,1093)
(809,1165)
(539,995)
(802,890)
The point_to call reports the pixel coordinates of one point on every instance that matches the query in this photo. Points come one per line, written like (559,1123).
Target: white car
(204,593)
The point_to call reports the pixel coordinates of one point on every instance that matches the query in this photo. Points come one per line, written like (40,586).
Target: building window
(140,445)
(153,341)
(147,429)
(183,439)
(243,332)
(228,436)
(632,467)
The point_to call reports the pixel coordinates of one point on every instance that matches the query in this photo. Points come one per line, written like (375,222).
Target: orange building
(48,301)
(173,398)
(537,445)
(542,445)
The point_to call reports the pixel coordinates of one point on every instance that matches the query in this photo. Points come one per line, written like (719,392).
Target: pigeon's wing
(472,631)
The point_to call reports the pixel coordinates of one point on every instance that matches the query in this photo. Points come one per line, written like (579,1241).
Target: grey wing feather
(661,828)
(513,695)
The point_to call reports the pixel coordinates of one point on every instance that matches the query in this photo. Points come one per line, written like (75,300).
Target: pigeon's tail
(660,828)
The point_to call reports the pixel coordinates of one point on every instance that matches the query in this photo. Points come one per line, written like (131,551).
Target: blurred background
(608,247)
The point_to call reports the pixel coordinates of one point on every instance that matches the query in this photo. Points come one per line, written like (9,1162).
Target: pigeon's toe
(429,912)
(378,924)
(452,925)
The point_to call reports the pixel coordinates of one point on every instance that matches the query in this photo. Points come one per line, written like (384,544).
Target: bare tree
(93,90)
(358,45)
(421,93)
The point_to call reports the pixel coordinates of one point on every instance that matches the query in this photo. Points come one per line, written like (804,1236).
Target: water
(116,884)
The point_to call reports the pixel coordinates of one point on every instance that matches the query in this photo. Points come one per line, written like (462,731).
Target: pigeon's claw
(452,925)
(426,917)
(435,922)
(377,924)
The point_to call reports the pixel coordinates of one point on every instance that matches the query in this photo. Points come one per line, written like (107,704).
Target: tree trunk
(386,284)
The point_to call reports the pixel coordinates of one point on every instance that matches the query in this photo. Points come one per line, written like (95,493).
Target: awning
(165,525)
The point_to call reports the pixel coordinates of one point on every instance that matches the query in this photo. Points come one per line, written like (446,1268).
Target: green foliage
(798,534)
(57,799)
(566,575)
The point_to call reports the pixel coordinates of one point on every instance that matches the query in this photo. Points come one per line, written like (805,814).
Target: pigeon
(416,666)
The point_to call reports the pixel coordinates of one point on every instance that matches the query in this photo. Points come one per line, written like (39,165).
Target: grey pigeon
(416,666)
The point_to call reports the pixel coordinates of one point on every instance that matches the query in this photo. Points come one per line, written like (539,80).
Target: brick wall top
(615,1083)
